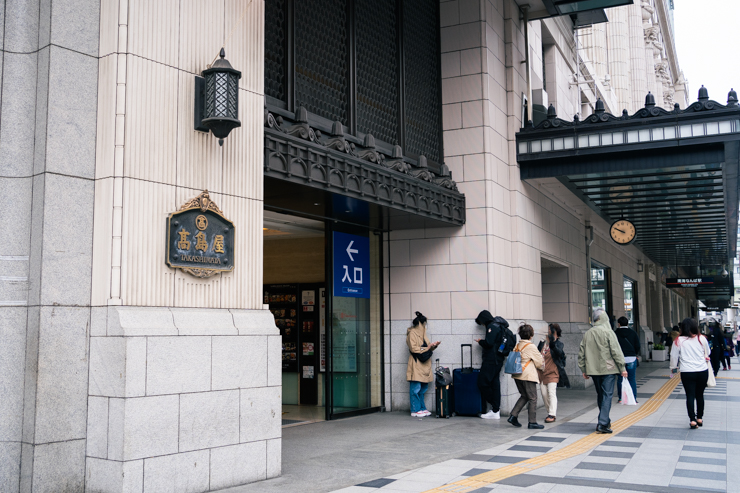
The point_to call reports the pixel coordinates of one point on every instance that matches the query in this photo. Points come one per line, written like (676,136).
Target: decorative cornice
(649,111)
(368,151)
(366,174)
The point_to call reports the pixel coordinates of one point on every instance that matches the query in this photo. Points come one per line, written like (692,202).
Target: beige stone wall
(150,160)
(185,386)
(495,261)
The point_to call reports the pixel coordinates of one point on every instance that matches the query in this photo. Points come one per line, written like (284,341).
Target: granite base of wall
(182,399)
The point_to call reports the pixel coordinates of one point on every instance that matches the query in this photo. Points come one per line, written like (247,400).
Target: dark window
(321,75)
(369,64)
(275,50)
(423,111)
(377,68)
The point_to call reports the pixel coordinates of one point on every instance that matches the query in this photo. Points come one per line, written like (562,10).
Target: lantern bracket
(200,103)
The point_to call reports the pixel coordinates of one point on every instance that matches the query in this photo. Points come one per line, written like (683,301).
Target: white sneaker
(417,415)
(425,412)
(491,415)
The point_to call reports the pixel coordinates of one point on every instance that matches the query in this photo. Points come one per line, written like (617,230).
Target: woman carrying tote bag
(690,356)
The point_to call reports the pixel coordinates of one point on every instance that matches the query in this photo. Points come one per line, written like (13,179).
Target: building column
(47,131)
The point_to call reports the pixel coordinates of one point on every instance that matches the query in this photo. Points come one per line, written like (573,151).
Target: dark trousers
(490,385)
(604,393)
(726,361)
(715,357)
(528,391)
(694,383)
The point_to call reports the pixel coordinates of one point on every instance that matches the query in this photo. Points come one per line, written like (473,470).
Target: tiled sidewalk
(657,454)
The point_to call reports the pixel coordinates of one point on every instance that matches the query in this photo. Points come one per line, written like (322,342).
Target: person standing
(553,376)
(601,358)
(526,381)
(690,356)
(675,332)
(729,353)
(629,342)
(419,369)
(716,345)
(489,383)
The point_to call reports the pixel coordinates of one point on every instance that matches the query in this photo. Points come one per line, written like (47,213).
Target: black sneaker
(514,421)
(535,426)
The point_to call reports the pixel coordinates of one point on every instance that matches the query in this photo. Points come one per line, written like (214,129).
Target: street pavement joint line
(576,448)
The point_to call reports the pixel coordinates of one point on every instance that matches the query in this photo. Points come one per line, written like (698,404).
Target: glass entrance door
(355,327)
(631,302)
(601,295)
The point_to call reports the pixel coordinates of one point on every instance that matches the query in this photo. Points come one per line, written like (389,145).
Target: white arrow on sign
(351,250)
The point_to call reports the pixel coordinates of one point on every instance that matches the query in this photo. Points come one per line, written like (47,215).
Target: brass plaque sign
(200,240)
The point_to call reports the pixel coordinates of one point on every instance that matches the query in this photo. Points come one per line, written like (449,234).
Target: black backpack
(508,341)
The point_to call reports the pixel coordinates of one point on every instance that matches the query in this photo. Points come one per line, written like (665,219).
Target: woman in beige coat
(419,371)
(526,381)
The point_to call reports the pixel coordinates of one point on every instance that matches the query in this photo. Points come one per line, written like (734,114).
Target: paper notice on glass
(308,372)
(308,298)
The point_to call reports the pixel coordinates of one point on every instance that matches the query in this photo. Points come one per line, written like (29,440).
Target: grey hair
(597,313)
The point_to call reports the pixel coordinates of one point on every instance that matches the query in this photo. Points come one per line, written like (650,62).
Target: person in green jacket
(600,357)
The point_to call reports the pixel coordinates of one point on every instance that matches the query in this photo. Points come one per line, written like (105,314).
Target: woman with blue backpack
(526,377)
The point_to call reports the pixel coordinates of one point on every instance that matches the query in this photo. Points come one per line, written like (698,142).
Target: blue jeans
(631,376)
(604,393)
(416,394)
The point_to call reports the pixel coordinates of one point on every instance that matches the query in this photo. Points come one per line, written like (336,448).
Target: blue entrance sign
(351,266)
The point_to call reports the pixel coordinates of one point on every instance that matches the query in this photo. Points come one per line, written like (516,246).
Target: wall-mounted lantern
(217,99)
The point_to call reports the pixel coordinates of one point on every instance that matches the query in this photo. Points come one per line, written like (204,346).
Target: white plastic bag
(711,382)
(628,397)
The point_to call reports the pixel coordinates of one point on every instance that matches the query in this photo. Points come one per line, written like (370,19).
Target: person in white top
(689,356)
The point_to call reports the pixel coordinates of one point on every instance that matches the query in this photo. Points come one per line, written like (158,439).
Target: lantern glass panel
(222,95)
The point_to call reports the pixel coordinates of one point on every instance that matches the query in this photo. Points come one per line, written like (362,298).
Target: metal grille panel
(275,50)
(221,96)
(321,75)
(377,68)
(423,109)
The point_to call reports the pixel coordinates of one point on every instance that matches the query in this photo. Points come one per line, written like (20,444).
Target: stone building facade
(522,252)
(121,374)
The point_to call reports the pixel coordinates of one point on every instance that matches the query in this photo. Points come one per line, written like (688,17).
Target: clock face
(623,232)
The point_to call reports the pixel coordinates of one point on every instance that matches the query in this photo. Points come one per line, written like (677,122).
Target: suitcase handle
(462,357)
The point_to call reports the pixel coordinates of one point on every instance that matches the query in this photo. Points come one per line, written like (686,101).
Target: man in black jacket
(629,341)
(488,378)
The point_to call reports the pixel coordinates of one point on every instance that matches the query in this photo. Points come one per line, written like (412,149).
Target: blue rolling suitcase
(467,398)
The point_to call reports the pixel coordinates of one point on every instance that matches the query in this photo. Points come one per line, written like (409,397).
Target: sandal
(549,419)
(693,425)
(700,422)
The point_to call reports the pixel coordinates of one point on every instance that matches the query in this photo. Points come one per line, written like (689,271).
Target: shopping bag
(628,396)
(711,382)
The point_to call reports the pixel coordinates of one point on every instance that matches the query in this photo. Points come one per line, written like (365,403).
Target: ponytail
(420,319)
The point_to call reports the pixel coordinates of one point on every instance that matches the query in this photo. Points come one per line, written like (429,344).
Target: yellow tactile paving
(576,448)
